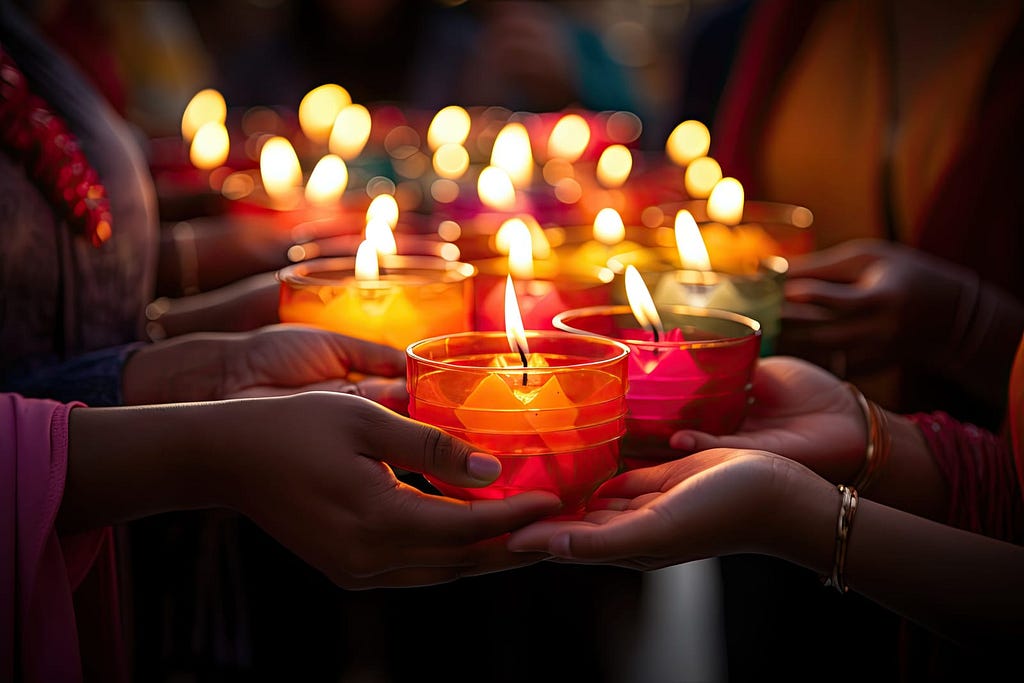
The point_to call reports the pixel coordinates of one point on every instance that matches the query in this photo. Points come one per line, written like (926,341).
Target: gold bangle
(879,440)
(847,510)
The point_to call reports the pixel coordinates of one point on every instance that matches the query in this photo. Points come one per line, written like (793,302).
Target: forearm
(910,479)
(187,368)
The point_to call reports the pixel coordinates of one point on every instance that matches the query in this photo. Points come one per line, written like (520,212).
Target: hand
(273,360)
(801,412)
(872,302)
(712,503)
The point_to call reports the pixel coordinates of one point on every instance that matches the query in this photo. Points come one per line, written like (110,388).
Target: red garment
(40,571)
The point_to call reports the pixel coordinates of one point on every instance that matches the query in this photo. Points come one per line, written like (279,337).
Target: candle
(689,368)
(392,300)
(559,431)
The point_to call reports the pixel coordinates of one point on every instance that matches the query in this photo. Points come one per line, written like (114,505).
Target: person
(306,467)
(935,534)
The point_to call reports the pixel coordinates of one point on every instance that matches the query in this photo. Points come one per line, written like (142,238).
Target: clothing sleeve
(93,378)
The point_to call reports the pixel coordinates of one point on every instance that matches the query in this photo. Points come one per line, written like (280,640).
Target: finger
(841,263)
(688,441)
(432,576)
(840,296)
(369,357)
(389,392)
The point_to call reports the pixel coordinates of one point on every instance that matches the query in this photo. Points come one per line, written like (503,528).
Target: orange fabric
(1016,412)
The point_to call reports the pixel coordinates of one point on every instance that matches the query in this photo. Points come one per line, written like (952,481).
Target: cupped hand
(799,411)
(272,360)
(716,502)
(316,474)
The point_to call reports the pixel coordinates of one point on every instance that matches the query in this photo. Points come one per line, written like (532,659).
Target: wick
(654,331)
(522,357)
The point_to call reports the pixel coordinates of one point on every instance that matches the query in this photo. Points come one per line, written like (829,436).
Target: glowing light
(725,204)
(210,146)
(350,132)
(608,227)
(512,152)
(205,106)
(641,303)
(319,108)
(614,166)
(328,181)
(520,250)
(495,189)
(279,169)
(450,160)
(693,253)
(381,236)
(700,177)
(450,126)
(687,141)
(569,138)
(367,267)
(383,207)
(514,329)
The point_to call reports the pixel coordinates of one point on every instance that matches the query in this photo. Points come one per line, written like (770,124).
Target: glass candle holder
(414,298)
(555,425)
(698,376)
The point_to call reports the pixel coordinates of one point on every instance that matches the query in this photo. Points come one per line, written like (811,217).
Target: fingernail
(560,546)
(483,466)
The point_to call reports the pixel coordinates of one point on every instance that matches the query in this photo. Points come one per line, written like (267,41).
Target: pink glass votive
(697,377)
(540,298)
(554,425)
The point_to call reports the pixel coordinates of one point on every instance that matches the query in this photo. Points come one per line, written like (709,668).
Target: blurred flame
(693,253)
(350,131)
(496,189)
(608,227)
(205,106)
(614,166)
(641,303)
(328,181)
(367,267)
(514,330)
(569,138)
(450,126)
(512,152)
(502,238)
(700,177)
(210,146)
(319,108)
(380,235)
(520,249)
(725,204)
(687,141)
(279,168)
(450,160)
(383,207)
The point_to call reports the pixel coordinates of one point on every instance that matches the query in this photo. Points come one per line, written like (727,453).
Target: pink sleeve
(38,570)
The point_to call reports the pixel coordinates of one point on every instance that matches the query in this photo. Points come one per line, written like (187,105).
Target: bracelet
(847,509)
(879,439)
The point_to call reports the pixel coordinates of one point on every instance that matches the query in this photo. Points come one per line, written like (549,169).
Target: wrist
(187,368)
(804,526)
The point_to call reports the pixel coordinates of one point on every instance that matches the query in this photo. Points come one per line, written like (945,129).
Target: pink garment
(40,572)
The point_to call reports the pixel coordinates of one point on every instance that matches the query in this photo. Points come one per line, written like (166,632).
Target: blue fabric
(93,378)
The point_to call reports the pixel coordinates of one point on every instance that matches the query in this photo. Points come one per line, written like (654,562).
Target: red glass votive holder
(414,298)
(554,425)
(698,376)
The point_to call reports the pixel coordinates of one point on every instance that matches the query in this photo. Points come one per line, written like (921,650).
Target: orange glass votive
(555,425)
(697,376)
(414,298)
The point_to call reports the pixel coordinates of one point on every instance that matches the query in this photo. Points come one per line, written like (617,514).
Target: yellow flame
(725,204)
(205,106)
(210,146)
(520,249)
(495,189)
(700,177)
(350,132)
(319,108)
(514,330)
(687,141)
(512,152)
(450,160)
(383,207)
(450,126)
(328,181)
(693,253)
(367,267)
(279,168)
(569,138)
(614,166)
(608,227)
(380,234)
(641,303)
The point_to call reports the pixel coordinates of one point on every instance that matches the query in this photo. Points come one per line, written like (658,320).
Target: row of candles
(568,347)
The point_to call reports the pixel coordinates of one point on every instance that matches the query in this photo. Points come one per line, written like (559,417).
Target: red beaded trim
(39,138)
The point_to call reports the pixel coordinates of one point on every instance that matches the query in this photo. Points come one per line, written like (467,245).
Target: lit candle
(688,141)
(205,106)
(350,132)
(319,109)
(725,203)
(513,153)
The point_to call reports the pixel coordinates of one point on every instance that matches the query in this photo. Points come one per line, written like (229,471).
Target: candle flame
(450,160)
(687,141)
(693,253)
(569,138)
(350,132)
(319,108)
(328,181)
(495,189)
(279,168)
(641,303)
(701,176)
(512,152)
(614,166)
(367,267)
(379,233)
(520,249)
(541,244)
(450,126)
(205,106)
(514,330)
(725,204)
(608,227)
(210,146)
(383,207)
